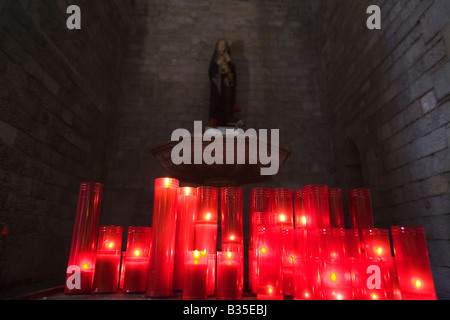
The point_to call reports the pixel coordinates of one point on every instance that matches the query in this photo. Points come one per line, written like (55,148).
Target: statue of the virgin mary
(222,74)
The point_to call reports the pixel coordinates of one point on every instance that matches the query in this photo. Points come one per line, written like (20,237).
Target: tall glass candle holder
(261,200)
(326,243)
(299,209)
(376,243)
(207,220)
(232,216)
(270,275)
(186,219)
(229,275)
(299,278)
(211,273)
(164,225)
(336,279)
(413,264)
(316,206)
(352,243)
(137,258)
(307,278)
(107,265)
(336,208)
(390,279)
(289,251)
(360,208)
(206,236)
(282,206)
(84,240)
(208,204)
(261,221)
(370,280)
(195,275)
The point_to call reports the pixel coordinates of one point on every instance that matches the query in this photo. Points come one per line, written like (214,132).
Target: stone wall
(387,91)
(59,91)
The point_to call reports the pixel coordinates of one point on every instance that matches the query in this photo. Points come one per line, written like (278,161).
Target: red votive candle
(282,206)
(232,216)
(360,208)
(208,204)
(370,280)
(413,264)
(81,265)
(229,275)
(299,209)
(211,274)
(376,243)
(139,244)
(186,219)
(316,206)
(326,243)
(289,251)
(352,243)
(164,225)
(195,275)
(207,220)
(336,208)
(232,224)
(306,278)
(261,200)
(261,220)
(299,278)
(336,279)
(107,265)
(390,279)
(206,236)
(270,274)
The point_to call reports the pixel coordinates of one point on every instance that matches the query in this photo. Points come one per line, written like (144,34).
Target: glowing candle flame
(137,253)
(196,254)
(379,251)
(333,277)
(374,297)
(304,221)
(110,245)
(229,255)
(187,191)
(418,283)
(85,266)
(167,182)
(282,218)
(263,250)
(208,216)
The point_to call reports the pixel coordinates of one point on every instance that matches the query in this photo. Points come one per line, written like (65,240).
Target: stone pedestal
(220,175)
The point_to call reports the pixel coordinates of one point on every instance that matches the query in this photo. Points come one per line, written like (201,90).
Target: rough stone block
(442,82)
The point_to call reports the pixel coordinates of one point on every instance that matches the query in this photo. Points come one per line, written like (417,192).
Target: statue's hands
(221,60)
(227,57)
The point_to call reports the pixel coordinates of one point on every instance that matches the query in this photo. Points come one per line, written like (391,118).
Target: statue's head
(222,46)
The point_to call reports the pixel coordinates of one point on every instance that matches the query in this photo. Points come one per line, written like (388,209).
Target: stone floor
(58,294)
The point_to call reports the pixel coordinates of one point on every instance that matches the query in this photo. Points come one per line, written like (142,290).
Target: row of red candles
(317,258)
